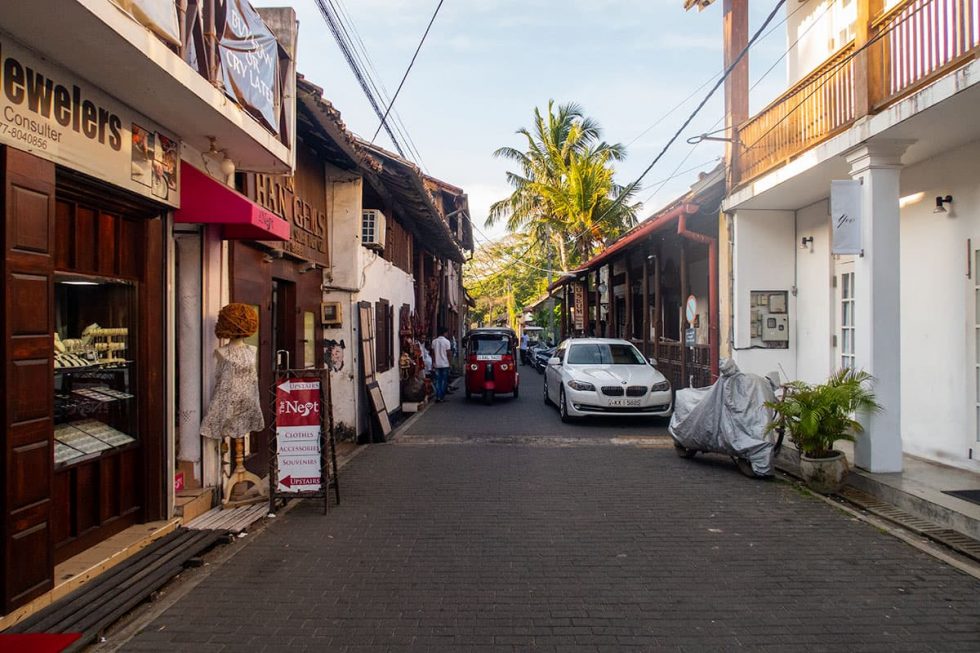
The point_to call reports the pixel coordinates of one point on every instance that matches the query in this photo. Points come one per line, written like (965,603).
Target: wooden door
(28,244)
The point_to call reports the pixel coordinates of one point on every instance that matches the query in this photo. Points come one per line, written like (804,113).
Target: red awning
(204,200)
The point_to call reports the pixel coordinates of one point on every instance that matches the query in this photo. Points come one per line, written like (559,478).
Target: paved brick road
(482,546)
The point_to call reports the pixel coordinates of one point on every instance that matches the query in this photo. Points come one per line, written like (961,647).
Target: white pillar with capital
(877,165)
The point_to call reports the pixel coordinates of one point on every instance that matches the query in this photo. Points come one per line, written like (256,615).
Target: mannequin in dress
(235,409)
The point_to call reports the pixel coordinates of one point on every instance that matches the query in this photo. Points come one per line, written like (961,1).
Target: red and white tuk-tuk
(491,363)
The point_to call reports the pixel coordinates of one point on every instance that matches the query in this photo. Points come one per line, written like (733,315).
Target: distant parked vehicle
(605,376)
(539,359)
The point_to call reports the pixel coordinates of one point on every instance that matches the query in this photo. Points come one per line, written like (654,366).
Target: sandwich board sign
(299,435)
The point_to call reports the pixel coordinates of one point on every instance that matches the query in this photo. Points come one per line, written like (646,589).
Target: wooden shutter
(383,348)
(28,243)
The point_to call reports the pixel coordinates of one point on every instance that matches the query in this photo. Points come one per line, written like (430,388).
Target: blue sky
(487,63)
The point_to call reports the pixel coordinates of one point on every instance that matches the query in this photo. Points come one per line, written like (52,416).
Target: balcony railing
(918,41)
(908,46)
(814,109)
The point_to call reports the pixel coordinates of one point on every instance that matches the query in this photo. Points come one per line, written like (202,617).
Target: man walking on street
(524,343)
(440,362)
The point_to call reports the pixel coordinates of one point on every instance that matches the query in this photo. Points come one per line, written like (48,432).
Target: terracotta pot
(824,475)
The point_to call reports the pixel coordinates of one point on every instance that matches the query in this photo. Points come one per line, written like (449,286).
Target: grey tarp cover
(728,417)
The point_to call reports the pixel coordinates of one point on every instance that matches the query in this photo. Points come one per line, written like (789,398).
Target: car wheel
(684,452)
(547,401)
(563,408)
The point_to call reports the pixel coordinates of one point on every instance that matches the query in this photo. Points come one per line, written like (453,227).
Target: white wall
(939,387)
(764,259)
(821,27)
(383,280)
(341,282)
(815,296)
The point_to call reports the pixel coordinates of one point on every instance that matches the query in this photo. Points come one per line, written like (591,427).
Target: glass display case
(95,408)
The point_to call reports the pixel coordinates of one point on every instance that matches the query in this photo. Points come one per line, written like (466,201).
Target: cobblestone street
(470,544)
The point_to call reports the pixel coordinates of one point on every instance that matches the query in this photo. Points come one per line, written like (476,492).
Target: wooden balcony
(898,52)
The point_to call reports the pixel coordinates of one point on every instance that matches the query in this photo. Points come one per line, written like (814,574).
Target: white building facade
(886,97)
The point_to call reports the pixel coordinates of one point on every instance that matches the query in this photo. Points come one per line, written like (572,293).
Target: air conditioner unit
(373,229)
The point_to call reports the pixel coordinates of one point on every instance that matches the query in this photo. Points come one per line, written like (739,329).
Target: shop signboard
(299,435)
(579,307)
(55,115)
(845,216)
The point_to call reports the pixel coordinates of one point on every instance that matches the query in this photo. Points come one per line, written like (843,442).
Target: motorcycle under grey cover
(728,417)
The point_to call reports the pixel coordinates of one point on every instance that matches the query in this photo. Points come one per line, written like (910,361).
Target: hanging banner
(845,217)
(51,113)
(248,55)
(299,430)
(579,307)
(159,15)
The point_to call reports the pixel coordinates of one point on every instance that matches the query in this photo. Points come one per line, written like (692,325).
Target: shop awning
(204,200)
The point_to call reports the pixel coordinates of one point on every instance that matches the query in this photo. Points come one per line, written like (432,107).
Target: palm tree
(559,141)
(594,208)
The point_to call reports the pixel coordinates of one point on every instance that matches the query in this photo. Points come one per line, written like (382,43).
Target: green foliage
(499,287)
(817,416)
(564,195)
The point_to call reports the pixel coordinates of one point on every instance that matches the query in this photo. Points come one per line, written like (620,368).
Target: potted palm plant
(817,416)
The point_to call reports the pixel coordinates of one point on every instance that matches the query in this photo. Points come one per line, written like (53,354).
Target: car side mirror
(653,361)
(554,360)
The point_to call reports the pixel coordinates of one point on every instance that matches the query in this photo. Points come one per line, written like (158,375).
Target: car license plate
(628,403)
(488,357)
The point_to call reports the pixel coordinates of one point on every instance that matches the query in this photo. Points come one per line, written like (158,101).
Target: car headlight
(660,387)
(581,386)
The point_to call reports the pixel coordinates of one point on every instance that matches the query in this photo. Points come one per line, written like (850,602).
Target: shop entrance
(84,389)
(284,325)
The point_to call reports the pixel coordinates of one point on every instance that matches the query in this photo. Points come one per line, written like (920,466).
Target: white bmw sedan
(604,376)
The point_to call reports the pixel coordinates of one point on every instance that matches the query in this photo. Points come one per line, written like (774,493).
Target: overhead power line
(333,23)
(377,83)
(408,70)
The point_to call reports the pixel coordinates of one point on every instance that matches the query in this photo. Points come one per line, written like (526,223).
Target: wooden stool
(240,475)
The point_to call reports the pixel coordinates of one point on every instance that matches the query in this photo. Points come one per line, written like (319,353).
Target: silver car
(605,376)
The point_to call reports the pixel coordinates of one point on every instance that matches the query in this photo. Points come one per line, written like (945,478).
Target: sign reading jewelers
(51,113)
(299,426)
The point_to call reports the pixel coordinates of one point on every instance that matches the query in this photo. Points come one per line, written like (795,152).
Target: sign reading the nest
(299,429)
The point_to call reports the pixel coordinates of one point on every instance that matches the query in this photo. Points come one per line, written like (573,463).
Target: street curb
(922,543)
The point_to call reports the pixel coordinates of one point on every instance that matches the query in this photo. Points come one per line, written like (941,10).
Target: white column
(877,165)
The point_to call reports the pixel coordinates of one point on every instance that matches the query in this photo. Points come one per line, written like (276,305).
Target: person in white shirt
(440,362)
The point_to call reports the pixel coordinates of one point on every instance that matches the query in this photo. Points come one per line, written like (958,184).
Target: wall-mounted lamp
(940,200)
(806,243)
(602,287)
(226,165)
